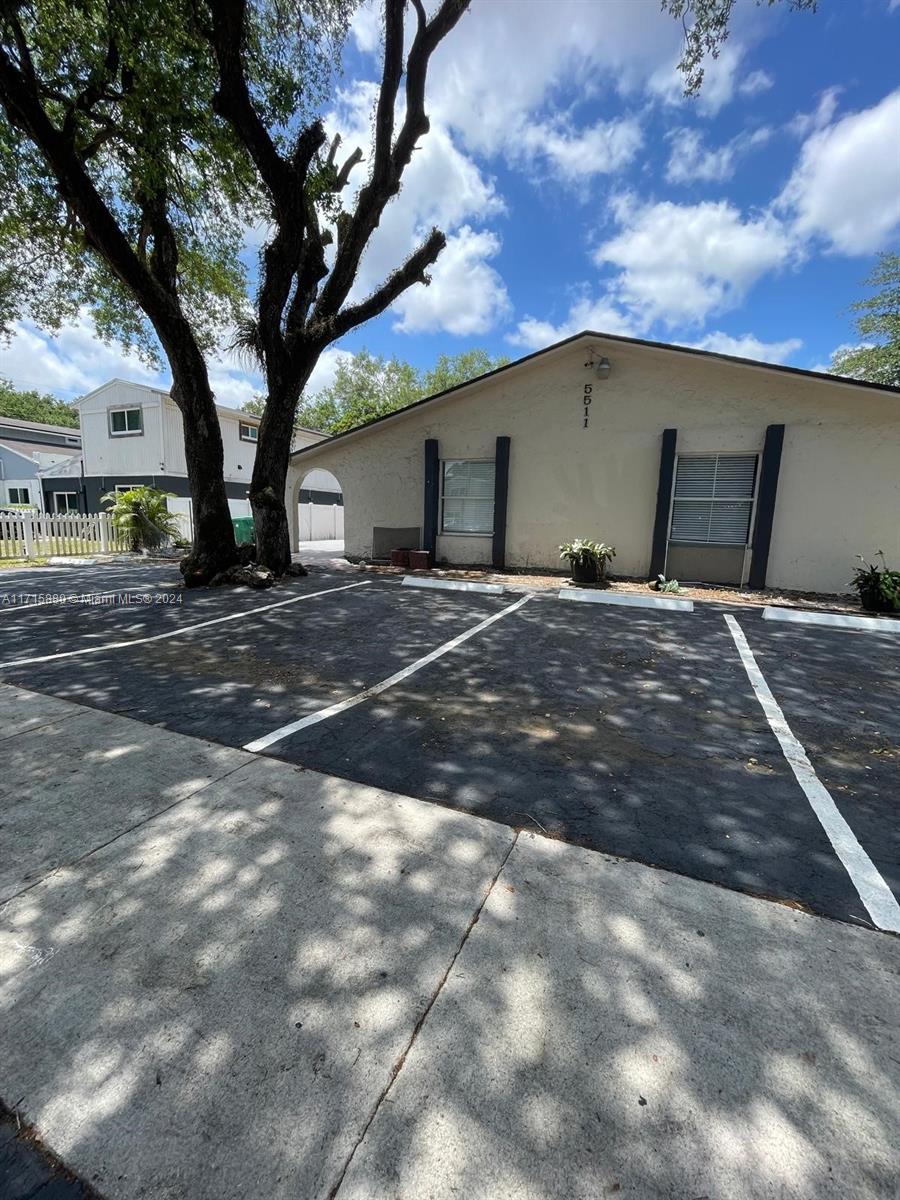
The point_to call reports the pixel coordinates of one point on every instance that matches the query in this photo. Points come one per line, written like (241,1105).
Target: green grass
(44,547)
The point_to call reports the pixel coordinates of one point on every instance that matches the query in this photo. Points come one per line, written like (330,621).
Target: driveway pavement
(631,732)
(246,978)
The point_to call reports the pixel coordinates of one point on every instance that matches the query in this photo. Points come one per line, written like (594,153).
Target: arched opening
(319,514)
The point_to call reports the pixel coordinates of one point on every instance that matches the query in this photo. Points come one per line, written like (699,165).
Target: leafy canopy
(705,24)
(878,359)
(35,406)
(367,386)
(131,91)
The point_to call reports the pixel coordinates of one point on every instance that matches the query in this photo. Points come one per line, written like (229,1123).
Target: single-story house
(700,466)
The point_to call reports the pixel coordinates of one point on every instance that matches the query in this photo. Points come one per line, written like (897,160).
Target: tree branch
(389,161)
(232,100)
(163,260)
(343,175)
(413,271)
(20,98)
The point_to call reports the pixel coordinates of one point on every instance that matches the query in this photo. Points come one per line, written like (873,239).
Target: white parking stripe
(332,710)
(158,637)
(880,901)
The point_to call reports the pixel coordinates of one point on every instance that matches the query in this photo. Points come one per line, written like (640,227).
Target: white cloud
(501,67)
(826,367)
(597,313)
(679,263)
(326,369)
(77,361)
(845,187)
(720,81)
(756,82)
(803,124)
(234,386)
(365,27)
(578,154)
(691,160)
(749,346)
(444,187)
(70,364)
(466,296)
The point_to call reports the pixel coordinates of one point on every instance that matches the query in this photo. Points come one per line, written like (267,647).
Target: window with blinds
(713,499)
(467,496)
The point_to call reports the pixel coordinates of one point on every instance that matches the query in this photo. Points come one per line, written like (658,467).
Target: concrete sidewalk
(224,976)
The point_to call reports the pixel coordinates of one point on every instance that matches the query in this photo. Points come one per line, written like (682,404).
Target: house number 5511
(588,388)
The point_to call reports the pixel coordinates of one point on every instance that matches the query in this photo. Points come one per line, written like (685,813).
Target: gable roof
(22,450)
(226,410)
(39,427)
(842,380)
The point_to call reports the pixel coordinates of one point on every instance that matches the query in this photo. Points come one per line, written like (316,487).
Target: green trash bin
(243,530)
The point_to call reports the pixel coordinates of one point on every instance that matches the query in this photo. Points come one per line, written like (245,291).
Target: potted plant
(878,588)
(589,560)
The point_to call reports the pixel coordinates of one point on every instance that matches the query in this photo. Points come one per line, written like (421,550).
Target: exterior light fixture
(603,368)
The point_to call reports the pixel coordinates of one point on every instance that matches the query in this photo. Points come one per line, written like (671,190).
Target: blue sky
(579,188)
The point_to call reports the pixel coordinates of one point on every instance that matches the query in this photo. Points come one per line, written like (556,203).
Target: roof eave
(620,339)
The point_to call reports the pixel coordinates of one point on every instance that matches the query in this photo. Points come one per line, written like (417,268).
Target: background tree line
(367,385)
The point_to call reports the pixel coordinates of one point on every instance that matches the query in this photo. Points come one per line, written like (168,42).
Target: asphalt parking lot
(635,732)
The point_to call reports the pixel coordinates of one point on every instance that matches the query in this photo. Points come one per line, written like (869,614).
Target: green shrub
(878,588)
(142,516)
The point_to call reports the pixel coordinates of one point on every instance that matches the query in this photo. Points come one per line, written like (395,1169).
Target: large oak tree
(121,191)
(310,264)
(139,145)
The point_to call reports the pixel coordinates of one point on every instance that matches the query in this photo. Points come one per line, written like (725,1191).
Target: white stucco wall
(839,489)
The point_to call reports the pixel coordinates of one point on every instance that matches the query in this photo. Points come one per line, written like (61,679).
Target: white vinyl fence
(321,522)
(37,535)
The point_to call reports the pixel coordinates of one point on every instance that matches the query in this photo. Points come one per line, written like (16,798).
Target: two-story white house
(132,434)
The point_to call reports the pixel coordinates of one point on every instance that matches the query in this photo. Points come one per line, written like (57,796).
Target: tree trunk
(214,547)
(270,522)
(273,451)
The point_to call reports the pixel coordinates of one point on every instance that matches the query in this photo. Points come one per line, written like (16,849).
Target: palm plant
(142,516)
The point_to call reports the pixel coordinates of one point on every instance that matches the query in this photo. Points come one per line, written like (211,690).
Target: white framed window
(65,502)
(713,499)
(124,487)
(248,433)
(467,496)
(18,495)
(126,422)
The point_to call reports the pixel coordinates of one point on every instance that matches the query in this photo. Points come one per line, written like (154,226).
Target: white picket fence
(38,535)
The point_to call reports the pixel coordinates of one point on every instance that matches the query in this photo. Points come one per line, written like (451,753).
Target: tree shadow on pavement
(213,1004)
